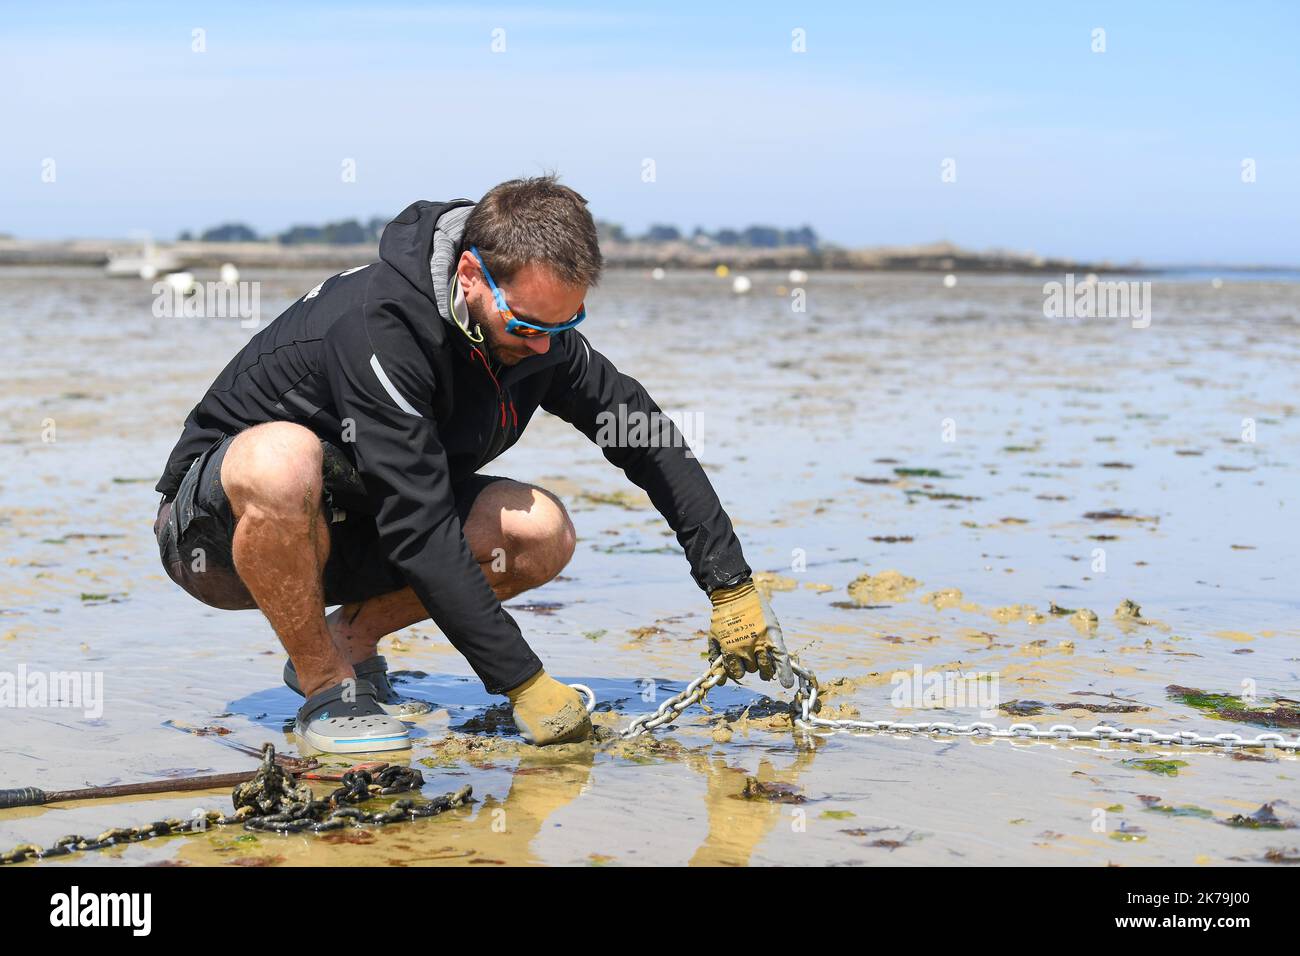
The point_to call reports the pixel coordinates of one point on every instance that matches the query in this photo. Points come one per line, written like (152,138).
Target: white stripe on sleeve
(393,393)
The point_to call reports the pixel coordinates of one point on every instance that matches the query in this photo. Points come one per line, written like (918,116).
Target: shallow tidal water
(952,435)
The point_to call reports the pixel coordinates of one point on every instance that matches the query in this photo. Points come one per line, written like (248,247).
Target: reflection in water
(737,824)
(539,788)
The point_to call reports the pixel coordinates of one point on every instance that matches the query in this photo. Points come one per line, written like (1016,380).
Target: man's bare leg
(521,537)
(272,476)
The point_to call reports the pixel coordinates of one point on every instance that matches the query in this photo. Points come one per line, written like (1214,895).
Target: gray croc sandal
(347,719)
(375,670)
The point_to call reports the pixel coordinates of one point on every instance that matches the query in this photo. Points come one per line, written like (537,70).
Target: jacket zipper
(502,399)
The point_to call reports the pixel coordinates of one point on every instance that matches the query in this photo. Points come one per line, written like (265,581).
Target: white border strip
(393,393)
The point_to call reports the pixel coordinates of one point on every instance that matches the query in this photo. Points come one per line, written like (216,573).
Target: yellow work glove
(745,632)
(548,712)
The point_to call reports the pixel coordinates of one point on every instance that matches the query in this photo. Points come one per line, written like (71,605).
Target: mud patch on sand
(1017,612)
(882,588)
(946,598)
(485,751)
(767,582)
(1128,610)
(1129,618)
(841,686)
(1084,621)
(647,748)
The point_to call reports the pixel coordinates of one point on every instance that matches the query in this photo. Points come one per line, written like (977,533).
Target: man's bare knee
(275,470)
(542,539)
(564,535)
(521,531)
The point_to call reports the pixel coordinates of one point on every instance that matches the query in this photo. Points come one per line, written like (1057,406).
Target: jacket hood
(423,245)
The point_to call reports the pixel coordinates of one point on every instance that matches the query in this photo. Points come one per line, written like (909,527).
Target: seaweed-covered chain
(807,704)
(307,813)
(272,802)
(119,835)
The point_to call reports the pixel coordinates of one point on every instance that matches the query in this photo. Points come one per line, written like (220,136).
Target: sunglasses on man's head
(522,327)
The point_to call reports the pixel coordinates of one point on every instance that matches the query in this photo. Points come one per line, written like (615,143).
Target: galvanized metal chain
(807,702)
(670,709)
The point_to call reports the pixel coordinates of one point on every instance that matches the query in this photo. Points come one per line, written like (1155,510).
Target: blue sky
(1134,153)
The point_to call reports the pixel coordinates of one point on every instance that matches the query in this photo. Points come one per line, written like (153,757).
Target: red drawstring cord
(488,369)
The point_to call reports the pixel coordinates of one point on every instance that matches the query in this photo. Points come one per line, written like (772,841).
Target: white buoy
(741,284)
(1216,282)
(797,277)
(148,272)
(182,282)
(949,281)
(657,274)
(229,274)
(1090,278)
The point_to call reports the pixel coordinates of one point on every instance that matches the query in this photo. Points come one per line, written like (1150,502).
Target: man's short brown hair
(535,220)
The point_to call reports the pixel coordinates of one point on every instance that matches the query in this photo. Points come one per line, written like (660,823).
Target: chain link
(806,703)
(670,709)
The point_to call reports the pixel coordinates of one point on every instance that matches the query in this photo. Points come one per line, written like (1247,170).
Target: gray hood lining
(446,254)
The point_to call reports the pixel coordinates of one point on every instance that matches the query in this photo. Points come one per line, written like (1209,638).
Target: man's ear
(467,269)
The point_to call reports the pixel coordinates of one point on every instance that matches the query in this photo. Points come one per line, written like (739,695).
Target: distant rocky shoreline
(935,257)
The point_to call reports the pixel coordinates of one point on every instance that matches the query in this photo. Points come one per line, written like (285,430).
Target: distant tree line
(354,232)
(345,233)
(753,237)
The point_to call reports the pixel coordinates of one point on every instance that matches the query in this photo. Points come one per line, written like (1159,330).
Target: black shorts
(195,530)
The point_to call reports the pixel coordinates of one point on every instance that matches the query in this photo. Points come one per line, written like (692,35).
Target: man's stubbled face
(533,294)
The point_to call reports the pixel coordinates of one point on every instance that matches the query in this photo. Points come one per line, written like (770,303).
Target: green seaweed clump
(1262,712)
(1167,768)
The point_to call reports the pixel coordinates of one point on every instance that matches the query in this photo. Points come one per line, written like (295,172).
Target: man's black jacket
(368,362)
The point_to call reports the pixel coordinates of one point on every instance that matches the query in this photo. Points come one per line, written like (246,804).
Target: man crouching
(336,462)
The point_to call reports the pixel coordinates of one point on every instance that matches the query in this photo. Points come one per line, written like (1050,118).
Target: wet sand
(824,434)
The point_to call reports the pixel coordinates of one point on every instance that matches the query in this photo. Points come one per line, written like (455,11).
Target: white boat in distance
(148,265)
